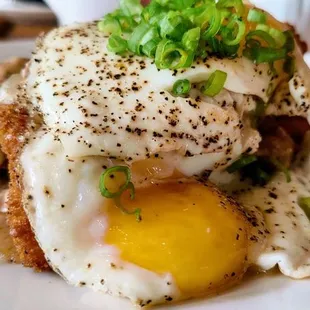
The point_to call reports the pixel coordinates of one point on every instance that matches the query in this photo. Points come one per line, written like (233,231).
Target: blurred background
(25,19)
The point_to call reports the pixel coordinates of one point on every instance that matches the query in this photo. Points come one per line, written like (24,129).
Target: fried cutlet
(13,126)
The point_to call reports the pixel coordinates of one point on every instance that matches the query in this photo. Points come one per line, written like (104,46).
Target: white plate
(20,48)
(23,289)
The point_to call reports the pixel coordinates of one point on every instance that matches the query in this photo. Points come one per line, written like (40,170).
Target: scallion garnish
(170,55)
(190,39)
(131,7)
(289,66)
(128,185)
(211,22)
(236,5)
(304,203)
(282,168)
(289,42)
(177,32)
(181,87)
(173,26)
(110,25)
(214,84)
(233,32)
(141,36)
(243,161)
(117,44)
(257,16)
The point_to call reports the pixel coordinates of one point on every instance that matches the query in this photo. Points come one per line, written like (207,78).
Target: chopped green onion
(127,23)
(264,54)
(259,176)
(131,7)
(262,36)
(260,107)
(110,25)
(211,23)
(173,26)
(233,32)
(241,163)
(163,2)
(193,28)
(222,50)
(282,168)
(195,15)
(151,10)
(191,38)
(258,112)
(257,16)
(289,66)
(140,36)
(181,87)
(128,185)
(179,4)
(117,44)
(278,35)
(109,174)
(170,55)
(289,42)
(304,203)
(149,48)
(232,4)
(214,84)
(262,27)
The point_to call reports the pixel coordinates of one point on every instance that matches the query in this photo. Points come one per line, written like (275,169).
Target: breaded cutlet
(14,122)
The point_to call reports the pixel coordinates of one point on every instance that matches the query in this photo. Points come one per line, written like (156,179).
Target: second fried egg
(192,240)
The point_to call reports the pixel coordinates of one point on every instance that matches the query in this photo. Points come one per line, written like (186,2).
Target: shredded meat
(282,137)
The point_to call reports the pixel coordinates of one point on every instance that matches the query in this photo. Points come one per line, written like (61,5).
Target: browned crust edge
(13,125)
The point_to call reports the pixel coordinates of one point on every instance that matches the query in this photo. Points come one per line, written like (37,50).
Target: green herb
(282,168)
(171,55)
(214,84)
(190,39)
(110,25)
(237,5)
(257,16)
(117,44)
(241,163)
(131,7)
(128,185)
(181,87)
(258,112)
(289,66)
(233,32)
(177,32)
(143,34)
(259,171)
(304,203)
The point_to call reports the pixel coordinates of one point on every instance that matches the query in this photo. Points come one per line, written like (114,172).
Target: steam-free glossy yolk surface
(187,229)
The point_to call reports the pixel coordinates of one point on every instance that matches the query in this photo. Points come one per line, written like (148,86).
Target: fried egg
(191,241)
(86,93)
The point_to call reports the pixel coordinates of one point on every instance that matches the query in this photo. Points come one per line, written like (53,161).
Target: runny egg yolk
(187,229)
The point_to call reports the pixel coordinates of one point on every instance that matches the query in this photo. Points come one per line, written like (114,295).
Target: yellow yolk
(188,230)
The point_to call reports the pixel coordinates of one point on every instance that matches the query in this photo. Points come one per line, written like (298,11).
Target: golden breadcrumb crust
(13,125)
